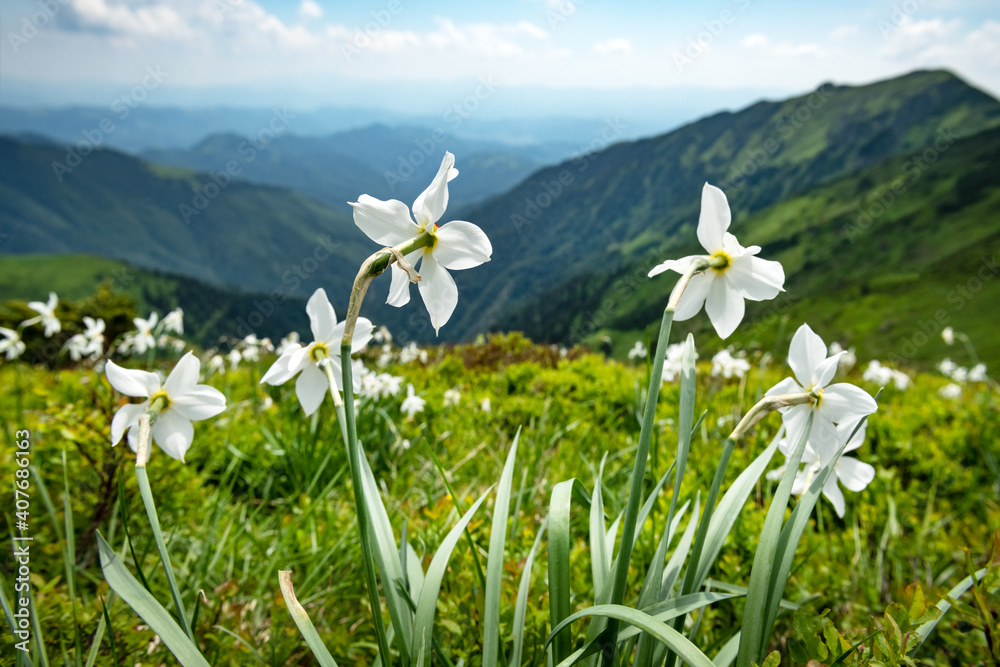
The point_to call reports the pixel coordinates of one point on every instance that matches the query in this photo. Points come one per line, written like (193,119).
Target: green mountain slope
(883,259)
(210,312)
(247,237)
(633,202)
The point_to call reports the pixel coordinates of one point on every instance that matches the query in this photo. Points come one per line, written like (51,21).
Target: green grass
(265,489)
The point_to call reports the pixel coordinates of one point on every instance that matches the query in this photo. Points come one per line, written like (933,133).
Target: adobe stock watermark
(363,37)
(784,129)
(901,13)
(121,107)
(881,201)
(712,29)
(958,297)
(560,11)
(453,118)
(32,24)
(224,7)
(247,150)
(550,191)
(291,280)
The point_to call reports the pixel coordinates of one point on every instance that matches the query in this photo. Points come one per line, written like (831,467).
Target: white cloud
(310,10)
(840,33)
(487,39)
(761,43)
(919,38)
(618,45)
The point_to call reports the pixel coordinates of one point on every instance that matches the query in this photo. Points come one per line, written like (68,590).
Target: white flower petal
(461,245)
(825,370)
(845,429)
(131,381)
(362,334)
(432,202)
(725,307)
(679,265)
(794,419)
(173,433)
(833,493)
(844,401)
(715,218)
(758,279)
(183,377)
(805,353)
(387,223)
(786,386)
(322,319)
(311,387)
(438,291)
(126,417)
(855,475)
(199,403)
(693,297)
(280,372)
(399,289)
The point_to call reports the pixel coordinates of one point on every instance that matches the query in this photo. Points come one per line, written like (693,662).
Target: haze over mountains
(879,200)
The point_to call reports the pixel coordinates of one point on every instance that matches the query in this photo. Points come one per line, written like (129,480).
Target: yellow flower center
(720,260)
(318,351)
(160,400)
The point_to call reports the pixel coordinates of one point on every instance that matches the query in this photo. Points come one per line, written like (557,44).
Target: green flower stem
(349,431)
(373,266)
(142,455)
(642,452)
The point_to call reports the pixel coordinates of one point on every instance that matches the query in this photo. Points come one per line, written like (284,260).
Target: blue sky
(549,56)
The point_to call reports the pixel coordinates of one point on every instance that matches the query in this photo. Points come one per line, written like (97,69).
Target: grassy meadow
(265,489)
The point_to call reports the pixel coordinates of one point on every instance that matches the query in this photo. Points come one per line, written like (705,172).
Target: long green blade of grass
(423,620)
(638,475)
(303,622)
(728,511)
(494,562)
(753,640)
(559,548)
(678,643)
(791,533)
(386,556)
(148,609)
(521,606)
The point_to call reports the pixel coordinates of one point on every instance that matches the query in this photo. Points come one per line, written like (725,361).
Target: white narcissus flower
(185,401)
(638,351)
(11,346)
(948,335)
(835,404)
(142,339)
(728,366)
(90,343)
(950,390)
(853,474)
(452,397)
(46,315)
(304,361)
(174,321)
(457,244)
(978,373)
(216,363)
(413,403)
(722,289)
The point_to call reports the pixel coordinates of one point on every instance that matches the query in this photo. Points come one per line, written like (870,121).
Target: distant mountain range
(572,242)
(385,162)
